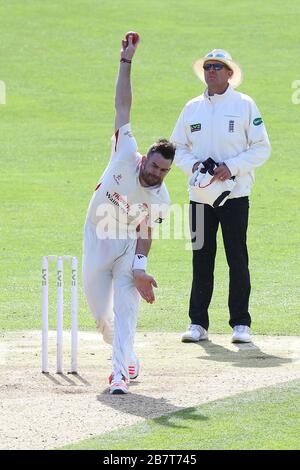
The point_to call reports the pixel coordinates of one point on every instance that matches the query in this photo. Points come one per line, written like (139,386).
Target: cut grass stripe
(268,418)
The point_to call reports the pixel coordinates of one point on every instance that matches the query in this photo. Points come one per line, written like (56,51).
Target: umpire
(220,129)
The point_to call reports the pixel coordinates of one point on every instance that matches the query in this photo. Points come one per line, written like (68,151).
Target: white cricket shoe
(134,367)
(241,334)
(194,334)
(118,384)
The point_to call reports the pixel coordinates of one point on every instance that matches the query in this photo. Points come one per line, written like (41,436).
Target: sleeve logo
(257,121)
(195,127)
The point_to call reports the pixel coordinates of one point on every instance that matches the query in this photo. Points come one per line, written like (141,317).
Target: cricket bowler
(129,201)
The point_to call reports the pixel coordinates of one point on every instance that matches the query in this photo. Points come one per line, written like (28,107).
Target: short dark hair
(164,147)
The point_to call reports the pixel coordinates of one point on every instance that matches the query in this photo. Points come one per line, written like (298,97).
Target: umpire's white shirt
(227,128)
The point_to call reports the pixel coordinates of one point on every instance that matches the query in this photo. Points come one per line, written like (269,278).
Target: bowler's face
(154,169)
(217,78)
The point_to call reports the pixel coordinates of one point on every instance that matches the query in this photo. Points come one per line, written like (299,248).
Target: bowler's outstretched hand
(129,45)
(144,284)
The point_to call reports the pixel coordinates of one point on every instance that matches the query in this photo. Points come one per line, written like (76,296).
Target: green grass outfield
(59,61)
(267,419)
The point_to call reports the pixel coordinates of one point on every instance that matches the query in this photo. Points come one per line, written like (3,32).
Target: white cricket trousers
(110,292)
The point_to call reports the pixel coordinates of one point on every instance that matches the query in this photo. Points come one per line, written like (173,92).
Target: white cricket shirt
(119,199)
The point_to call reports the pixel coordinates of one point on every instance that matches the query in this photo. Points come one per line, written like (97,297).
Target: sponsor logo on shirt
(159,220)
(195,127)
(231,125)
(257,121)
(117,200)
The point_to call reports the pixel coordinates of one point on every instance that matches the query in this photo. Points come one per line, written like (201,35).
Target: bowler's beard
(149,179)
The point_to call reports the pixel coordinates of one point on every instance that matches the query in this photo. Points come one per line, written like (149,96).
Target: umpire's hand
(221,173)
(144,284)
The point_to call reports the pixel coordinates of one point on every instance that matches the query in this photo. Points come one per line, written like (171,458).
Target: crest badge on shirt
(129,133)
(195,127)
(117,178)
(231,125)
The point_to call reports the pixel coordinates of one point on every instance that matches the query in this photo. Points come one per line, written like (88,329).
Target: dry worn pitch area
(40,411)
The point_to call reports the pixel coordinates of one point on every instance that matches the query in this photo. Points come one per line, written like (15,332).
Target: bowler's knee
(105,327)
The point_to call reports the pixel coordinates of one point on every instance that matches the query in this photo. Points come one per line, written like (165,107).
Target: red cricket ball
(135,37)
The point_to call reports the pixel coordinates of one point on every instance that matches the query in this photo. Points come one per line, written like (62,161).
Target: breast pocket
(234,133)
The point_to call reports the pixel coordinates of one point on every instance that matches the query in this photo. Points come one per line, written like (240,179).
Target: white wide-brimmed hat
(221,56)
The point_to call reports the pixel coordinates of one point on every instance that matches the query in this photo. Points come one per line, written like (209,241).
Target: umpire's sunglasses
(217,66)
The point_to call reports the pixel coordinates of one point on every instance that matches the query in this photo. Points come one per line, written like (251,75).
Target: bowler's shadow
(150,408)
(246,355)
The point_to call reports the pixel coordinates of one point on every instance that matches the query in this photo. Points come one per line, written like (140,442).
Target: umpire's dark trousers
(233,218)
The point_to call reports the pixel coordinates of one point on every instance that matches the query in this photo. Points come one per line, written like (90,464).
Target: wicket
(60,308)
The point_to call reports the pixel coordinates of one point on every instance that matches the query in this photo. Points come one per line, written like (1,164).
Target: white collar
(218,97)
